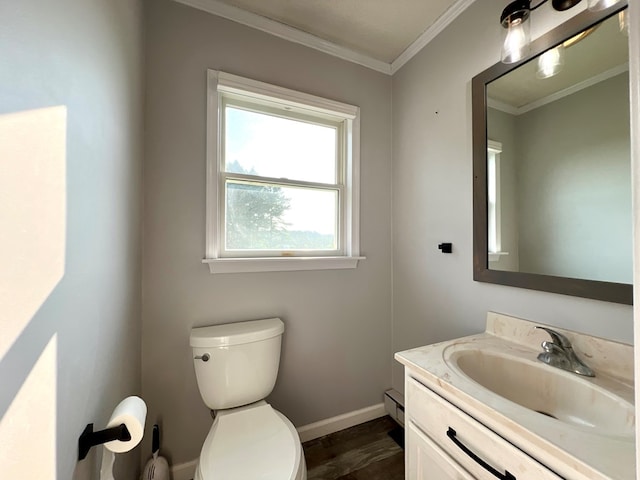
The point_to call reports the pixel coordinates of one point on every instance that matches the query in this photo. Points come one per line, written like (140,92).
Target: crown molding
(286,32)
(238,15)
(502,106)
(430,33)
(589,82)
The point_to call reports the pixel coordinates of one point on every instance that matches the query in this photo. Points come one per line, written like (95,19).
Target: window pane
(269,146)
(270,217)
(492,197)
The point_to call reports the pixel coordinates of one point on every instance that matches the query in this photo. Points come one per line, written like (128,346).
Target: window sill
(495,256)
(279,264)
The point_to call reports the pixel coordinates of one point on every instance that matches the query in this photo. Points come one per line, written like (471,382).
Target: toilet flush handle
(204,358)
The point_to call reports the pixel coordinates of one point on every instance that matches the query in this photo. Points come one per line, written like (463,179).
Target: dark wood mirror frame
(598,290)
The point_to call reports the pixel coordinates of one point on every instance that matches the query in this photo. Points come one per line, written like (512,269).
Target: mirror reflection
(558,161)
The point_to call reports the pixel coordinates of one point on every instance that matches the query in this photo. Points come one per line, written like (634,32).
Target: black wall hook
(446,247)
(89,438)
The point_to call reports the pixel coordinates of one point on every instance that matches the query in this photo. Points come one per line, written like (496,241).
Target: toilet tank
(243,361)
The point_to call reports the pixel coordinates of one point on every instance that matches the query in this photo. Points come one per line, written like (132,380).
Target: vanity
(484,407)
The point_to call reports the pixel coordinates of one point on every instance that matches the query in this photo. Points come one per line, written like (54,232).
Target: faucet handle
(551,347)
(558,338)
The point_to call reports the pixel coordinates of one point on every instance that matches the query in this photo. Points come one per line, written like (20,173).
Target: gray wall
(434,295)
(85,58)
(575,185)
(566,189)
(336,353)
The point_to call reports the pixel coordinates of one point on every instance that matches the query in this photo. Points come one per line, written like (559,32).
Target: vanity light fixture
(550,62)
(517,38)
(514,20)
(623,21)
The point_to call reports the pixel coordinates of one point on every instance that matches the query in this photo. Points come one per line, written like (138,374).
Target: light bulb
(550,62)
(516,42)
(623,20)
(596,5)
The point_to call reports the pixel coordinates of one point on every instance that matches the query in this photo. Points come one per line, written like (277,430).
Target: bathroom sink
(549,391)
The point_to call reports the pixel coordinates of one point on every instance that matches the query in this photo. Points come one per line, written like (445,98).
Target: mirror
(552,174)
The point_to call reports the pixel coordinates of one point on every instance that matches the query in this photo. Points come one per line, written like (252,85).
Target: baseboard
(335,424)
(186,471)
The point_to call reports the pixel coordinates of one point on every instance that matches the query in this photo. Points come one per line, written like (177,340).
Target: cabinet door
(427,461)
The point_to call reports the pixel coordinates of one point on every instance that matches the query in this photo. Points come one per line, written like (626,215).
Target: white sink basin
(551,392)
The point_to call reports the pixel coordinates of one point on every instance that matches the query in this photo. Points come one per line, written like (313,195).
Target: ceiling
(374,33)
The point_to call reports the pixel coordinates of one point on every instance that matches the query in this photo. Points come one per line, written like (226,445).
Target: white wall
(336,354)
(70,195)
(434,295)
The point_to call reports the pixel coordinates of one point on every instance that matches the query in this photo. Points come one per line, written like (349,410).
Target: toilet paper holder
(89,438)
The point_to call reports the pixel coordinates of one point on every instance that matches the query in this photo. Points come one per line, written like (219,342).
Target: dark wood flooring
(363,452)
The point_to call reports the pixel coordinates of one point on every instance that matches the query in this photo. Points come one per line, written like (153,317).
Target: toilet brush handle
(155,440)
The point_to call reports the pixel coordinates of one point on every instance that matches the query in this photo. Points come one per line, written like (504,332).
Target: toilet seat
(254,442)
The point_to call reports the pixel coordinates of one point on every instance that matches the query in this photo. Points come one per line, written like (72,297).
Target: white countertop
(572,451)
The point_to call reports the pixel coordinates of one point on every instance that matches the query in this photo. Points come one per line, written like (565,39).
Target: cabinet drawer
(427,461)
(462,437)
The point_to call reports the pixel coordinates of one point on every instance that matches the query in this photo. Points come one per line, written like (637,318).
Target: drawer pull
(451,433)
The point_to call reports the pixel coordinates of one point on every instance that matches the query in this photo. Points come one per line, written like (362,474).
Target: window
(282,179)
(494,239)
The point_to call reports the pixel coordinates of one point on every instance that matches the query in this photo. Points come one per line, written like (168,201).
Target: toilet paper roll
(132,411)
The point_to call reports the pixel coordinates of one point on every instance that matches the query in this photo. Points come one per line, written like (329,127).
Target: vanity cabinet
(444,443)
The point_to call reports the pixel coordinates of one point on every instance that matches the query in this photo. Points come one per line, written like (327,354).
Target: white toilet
(236,368)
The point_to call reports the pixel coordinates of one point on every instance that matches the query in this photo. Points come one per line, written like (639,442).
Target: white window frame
(494,213)
(221,85)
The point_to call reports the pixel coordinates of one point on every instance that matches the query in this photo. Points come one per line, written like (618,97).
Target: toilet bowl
(252,442)
(236,368)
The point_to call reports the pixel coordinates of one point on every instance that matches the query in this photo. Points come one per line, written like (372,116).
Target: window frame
(338,186)
(494,152)
(222,86)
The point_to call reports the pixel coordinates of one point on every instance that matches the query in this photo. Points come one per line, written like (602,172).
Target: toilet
(236,367)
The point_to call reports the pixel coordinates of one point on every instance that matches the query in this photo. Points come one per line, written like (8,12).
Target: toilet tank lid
(236,333)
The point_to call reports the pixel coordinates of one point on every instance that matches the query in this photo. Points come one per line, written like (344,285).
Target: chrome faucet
(559,353)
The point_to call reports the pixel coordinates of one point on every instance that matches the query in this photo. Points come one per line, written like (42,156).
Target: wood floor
(363,452)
